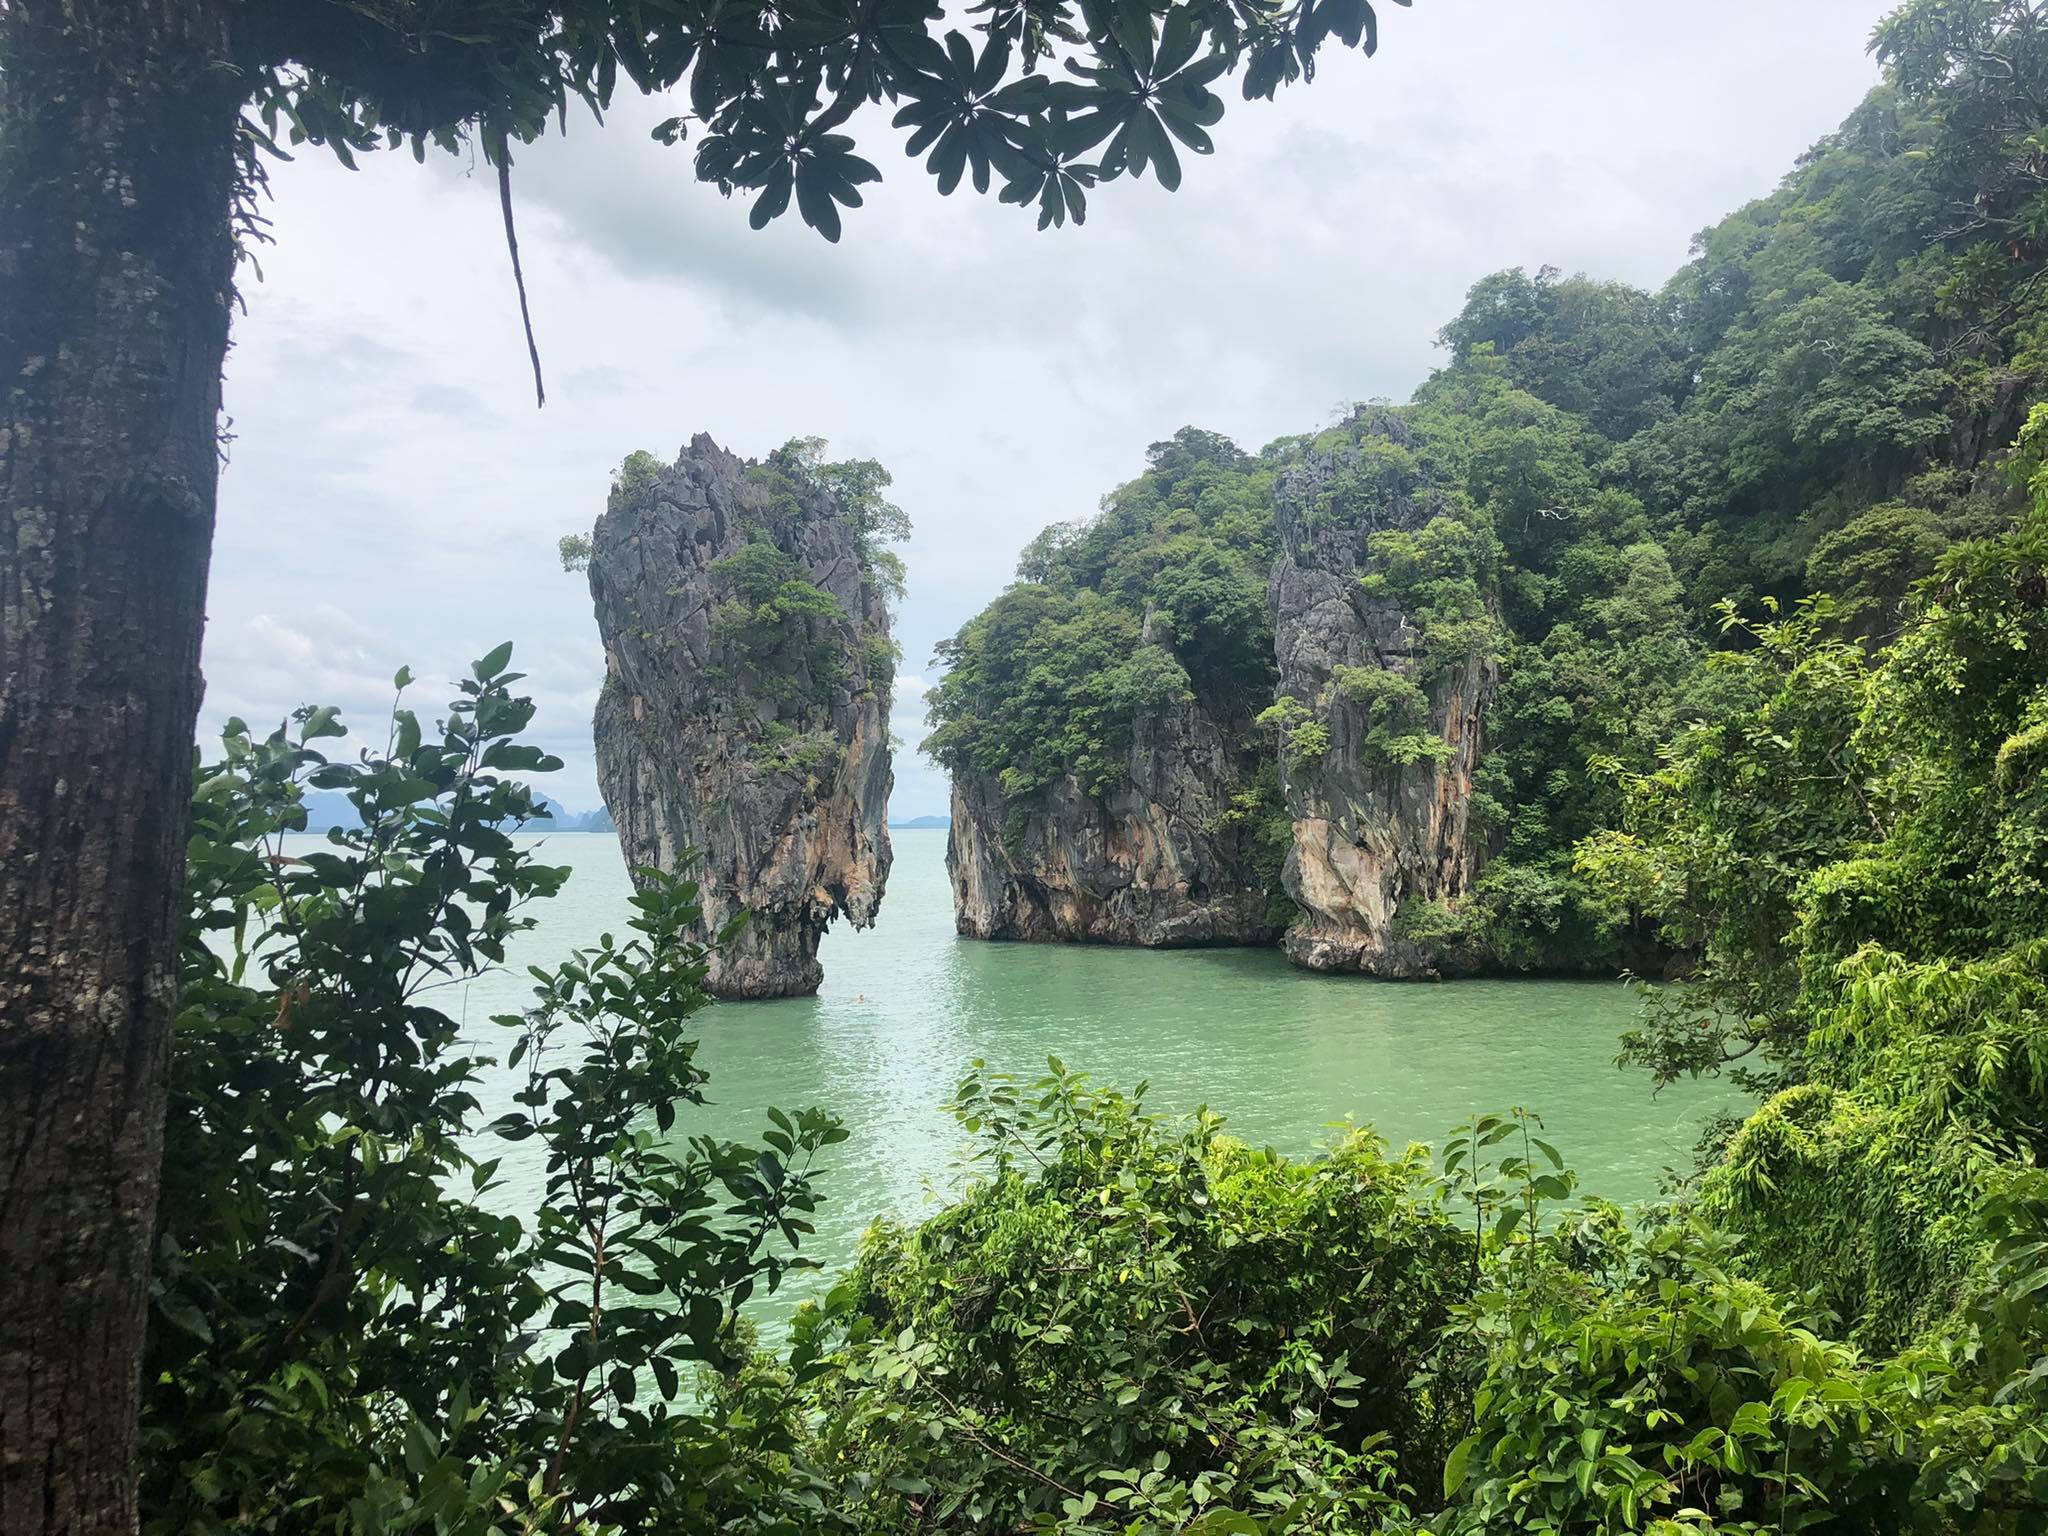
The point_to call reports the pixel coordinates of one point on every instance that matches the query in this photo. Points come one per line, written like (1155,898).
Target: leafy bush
(1442,577)
(803,753)
(784,629)
(798,473)
(638,470)
(1136,1326)
(880,657)
(1395,714)
(1257,817)
(1636,1380)
(1300,740)
(349,1330)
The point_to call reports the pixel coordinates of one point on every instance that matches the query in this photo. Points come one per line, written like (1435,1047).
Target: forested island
(1700,634)
(1381,690)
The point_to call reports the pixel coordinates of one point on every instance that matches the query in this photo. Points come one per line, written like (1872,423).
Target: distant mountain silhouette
(918,822)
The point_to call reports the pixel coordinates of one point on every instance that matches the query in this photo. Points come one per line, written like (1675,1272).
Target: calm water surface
(906,1005)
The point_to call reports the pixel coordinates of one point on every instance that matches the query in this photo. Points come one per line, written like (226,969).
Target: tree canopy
(1046,97)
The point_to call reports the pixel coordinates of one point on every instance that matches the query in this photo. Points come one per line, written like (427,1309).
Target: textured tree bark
(117,175)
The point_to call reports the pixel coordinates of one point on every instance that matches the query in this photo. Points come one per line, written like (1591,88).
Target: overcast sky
(393,496)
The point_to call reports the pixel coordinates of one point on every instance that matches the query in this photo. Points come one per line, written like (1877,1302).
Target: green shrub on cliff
(1396,716)
(637,471)
(784,628)
(798,472)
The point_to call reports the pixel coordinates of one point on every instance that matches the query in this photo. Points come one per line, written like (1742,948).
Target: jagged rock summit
(744,714)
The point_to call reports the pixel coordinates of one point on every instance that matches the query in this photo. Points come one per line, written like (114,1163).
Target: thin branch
(968,1429)
(540,394)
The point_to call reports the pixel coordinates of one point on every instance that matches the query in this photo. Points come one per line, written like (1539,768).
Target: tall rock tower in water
(745,710)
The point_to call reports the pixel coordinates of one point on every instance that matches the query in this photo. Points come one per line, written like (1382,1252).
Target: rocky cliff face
(745,708)
(1373,834)
(1158,862)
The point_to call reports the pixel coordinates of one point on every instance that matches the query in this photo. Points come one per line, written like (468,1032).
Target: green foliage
(1307,743)
(1044,686)
(880,656)
(1300,739)
(1124,1324)
(1185,548)
(1716,844)
(1636,1383)
(1157,602)
(787,630)
(1258,816)
(1604,352)
(1128,1326)
(1528,470)
(1441,576)
(1372,474)
(1858,851)
(1396,716)
(1869,566)
(1050,101)
(798,472)
(349,1331)
(805,754)
(1143,1327)
(637,472)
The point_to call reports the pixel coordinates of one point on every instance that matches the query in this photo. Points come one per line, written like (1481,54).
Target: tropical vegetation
(1815,406)
(136,138)
(1763,564)
(1125,1323)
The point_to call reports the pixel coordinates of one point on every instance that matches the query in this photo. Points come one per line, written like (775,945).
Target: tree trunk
(117,176)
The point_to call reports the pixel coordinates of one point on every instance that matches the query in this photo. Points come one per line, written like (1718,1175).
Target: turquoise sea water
(907,1005)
